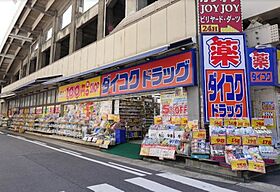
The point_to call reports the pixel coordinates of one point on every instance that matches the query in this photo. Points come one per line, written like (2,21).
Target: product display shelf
(131,117)
(70,129)
(4,122)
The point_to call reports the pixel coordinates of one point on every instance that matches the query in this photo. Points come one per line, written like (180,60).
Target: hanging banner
(262,65)
(220,15)
(224,76)
(80,90)
(174,71)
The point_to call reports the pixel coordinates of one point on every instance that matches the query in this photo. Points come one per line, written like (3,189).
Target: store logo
(224,52)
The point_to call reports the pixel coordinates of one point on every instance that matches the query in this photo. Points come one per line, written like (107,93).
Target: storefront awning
(6,95)
(35,82)
(114,64)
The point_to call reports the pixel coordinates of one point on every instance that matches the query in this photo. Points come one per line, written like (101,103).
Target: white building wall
(171,24)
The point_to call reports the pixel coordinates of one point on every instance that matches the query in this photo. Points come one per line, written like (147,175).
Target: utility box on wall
(262,34)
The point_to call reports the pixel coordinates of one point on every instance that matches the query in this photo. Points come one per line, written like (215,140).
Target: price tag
(264,141)
(256,166)
(216,121)
(157,120)
(218,140)
(249,140)
(232,121)
(233,140)
(257,122)
(199,134)
(99,141)
(237,165)
(175,120)
(243,122)
(145,150)
(184,121)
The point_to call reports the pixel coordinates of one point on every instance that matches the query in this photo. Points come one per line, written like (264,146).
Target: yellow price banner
(199,134)
(239,164)
(218,140)
(233,140)
(249,140)
(85,89)
(264,141)
(256,166)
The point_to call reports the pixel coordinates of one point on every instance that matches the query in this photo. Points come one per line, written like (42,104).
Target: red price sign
(233,140)
(249,140)
(218,140)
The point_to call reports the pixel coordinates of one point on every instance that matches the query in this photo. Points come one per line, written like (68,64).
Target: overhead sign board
(86,89)
(220,16)
(174,71)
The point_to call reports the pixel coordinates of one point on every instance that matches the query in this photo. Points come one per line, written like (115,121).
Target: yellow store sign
(80,90)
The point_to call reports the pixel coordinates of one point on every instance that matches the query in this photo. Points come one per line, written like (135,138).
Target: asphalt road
(31,166)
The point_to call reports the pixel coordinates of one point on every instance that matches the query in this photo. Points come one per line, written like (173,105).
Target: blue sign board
(262,63)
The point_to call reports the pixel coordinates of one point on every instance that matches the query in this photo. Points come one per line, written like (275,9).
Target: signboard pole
(199,86)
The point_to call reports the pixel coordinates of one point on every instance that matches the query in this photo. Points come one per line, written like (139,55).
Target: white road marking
(194,183)
(39,142)
(150,185)
(74,152)
(140,171)
(1,133)
(80,156)
(104,188)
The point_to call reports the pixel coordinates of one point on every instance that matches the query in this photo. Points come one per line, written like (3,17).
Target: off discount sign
(220,15)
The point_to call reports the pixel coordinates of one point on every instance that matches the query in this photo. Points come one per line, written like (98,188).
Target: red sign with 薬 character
(220,15)
(174,71)
(225,80)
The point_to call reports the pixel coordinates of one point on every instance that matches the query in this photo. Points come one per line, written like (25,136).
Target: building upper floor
(54,37)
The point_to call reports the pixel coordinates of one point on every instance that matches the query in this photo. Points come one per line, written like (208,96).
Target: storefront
(114,107)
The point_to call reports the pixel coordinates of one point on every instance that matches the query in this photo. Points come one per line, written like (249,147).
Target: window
(49,34)
(41,98)
(46,57)
(53,96)
(33,65)
(24,70)
(66,17)
(144,3)
(87,4)
(49,97)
